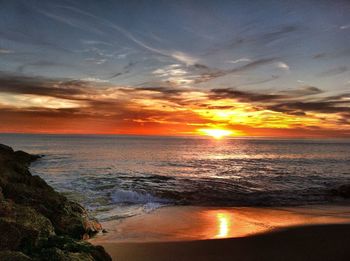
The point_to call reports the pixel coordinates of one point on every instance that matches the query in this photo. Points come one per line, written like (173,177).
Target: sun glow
(216,133)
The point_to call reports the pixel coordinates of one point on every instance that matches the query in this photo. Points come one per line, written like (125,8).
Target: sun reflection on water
(224,220)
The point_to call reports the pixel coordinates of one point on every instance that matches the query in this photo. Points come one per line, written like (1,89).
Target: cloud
(96,61)
(240,60)
(93,79)
(299,106)
(30,101)
(96,42)
(290,102)
(73,22)
(175,75)
(208,74)
(283,66)
(5,51)
(344,27)
(126,69)
(302,91)
(21,36)
(177,55)
(185,58)
(41,63)
(229,93)
(15,84)
(334,71)
(255,40)
(99,106)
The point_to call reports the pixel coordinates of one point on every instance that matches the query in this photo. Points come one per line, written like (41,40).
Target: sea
(117,176)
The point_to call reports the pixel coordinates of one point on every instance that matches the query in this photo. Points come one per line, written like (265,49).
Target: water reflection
(224,220)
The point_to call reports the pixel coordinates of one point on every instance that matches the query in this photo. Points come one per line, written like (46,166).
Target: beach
(242,200)
(202,233)
(174,130)
(328,242)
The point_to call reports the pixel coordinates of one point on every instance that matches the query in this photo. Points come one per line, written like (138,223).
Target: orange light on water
(223,224)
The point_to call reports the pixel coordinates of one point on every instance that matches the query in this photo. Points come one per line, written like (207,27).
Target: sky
(255,68)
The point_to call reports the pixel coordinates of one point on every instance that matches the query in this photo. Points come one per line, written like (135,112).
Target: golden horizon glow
(215,133)
(127,110)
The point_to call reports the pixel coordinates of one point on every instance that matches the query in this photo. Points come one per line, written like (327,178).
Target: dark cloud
(126,69)
(302,91)
(296,104)
(42,86)
(334,71)
(244,38)
(321,107)
(268,37)
(332,54)
(208,74)
(229,93)
(272,78)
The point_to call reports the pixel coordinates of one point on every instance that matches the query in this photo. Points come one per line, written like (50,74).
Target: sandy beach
(201,233)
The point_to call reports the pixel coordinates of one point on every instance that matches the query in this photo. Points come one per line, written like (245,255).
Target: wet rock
(5,148)
(342,191)
(24,157)
(10,238)
(68,246)
(13,256)
(37,221)
(1,195)
(21,226)
(56,254)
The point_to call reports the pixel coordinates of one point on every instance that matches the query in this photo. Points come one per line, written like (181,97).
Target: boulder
(22,227)
(342,191)
(36,222)
(13,256)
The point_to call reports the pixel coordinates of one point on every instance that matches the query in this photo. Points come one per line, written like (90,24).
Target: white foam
(133,197)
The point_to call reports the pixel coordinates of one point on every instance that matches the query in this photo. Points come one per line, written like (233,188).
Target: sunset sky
(253,68)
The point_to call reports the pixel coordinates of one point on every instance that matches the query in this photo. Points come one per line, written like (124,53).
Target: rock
(38,222)
(69,246)
(22,227)
(13,256)
(5,148)
(10,238)
(342,191)
(25,157)
(1,195)
(56,254)
(21,187)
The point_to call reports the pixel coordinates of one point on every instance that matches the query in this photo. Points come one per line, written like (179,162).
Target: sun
(216,133)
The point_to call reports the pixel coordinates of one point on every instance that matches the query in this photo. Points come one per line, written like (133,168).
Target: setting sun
(216,133)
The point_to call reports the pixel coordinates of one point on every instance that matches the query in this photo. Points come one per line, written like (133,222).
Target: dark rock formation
(342,191)
(36,222)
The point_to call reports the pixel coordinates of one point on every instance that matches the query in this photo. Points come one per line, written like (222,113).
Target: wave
(133,197)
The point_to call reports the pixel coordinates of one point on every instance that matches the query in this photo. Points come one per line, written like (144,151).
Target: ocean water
(121,176)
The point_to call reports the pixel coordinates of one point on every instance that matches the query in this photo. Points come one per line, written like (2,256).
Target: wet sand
(200,233)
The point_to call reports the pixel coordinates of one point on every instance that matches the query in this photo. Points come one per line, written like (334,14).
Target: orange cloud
(65,106)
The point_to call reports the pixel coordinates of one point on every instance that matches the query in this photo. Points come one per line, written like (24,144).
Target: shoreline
(186,223)
(317,242)
(198,233)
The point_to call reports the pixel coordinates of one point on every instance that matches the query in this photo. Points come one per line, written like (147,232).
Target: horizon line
(177,136)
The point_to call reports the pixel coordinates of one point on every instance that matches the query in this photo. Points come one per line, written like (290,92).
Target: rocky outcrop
(36,222)
(342,191)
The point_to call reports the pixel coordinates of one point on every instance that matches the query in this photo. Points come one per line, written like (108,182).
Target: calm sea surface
(120,176)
